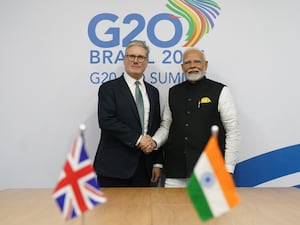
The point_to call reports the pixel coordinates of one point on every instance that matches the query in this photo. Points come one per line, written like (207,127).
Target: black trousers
(140,178)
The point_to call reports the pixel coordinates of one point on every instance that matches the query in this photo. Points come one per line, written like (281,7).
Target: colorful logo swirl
(200,15)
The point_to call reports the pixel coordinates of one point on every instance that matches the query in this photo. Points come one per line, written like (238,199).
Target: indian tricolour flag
(211,188)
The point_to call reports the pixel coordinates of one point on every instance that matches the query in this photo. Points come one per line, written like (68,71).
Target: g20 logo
(112,34)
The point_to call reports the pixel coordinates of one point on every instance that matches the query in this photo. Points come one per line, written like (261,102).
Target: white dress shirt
(131,84)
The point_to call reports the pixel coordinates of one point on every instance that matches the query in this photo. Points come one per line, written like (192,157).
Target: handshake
(147,144)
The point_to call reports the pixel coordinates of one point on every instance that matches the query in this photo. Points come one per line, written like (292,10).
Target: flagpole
(82,128)
(82,219)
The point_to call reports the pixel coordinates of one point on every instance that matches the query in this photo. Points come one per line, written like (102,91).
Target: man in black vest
(193,107)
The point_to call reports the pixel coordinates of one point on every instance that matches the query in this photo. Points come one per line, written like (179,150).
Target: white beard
(195,77)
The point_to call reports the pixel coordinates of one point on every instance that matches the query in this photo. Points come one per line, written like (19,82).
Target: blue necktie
(139,103)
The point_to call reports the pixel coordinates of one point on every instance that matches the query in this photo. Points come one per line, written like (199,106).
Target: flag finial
(215,130)
(82,128)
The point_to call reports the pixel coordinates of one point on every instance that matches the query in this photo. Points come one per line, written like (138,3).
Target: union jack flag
(77,189)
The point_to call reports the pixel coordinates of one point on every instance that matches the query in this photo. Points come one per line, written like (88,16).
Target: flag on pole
(210,187)
(77,189)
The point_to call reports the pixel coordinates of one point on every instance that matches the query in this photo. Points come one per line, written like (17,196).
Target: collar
(131,81)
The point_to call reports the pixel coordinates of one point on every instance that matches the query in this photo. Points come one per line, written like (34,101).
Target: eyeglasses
(140,58)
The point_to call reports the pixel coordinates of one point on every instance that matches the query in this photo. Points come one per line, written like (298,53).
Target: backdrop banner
(55,55)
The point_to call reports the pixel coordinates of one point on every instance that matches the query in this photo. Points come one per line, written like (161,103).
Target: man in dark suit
(124,158)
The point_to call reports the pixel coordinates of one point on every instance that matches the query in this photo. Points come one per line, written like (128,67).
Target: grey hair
(194,49)
(140,44)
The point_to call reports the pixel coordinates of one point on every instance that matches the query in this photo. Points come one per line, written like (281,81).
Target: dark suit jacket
(117,156)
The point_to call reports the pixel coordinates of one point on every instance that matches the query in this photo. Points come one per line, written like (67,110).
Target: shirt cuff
(158,165)
(230,168)
(138,140)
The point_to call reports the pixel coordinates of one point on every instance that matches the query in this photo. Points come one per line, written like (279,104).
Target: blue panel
(268,166)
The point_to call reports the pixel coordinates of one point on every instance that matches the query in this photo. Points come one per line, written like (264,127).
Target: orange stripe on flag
(216,159)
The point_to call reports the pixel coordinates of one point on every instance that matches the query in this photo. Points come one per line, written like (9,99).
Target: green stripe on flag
(198,198)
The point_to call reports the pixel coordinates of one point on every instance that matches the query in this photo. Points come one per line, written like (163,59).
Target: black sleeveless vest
(194,108)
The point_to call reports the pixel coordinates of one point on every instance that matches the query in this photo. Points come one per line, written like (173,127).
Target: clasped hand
(147,144)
